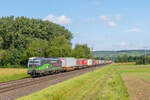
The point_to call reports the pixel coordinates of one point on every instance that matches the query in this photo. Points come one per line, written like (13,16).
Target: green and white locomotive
(39,66)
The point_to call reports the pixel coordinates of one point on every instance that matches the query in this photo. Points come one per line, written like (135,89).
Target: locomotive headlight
(46,66)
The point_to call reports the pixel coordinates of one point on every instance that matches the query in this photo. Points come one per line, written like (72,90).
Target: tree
(17,31)
(59,47)
(82,51)
(37,48)
(11,57)
(22,38)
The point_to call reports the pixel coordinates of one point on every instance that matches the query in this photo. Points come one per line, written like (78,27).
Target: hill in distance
(112,54)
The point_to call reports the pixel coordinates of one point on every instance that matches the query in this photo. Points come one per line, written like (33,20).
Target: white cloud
(104,18)
(58,20)
(111,21)
(134,30)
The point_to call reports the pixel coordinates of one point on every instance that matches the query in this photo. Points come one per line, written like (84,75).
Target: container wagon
(93,62)
(84,63)
(79,64)
(89,62)
(68,63)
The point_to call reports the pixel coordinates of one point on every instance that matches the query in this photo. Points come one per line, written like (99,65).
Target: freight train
(40,66)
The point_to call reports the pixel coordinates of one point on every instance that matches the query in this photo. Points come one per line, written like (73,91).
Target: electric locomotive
(39,66)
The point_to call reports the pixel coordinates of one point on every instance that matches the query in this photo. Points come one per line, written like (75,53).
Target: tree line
(22,38)
(138,59)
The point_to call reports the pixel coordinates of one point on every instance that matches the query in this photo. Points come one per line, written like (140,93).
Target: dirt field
(139,89)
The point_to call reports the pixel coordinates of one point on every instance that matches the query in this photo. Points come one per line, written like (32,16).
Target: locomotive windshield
(33,62)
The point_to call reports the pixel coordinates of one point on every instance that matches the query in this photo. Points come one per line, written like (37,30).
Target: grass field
(102,84)
(9,74)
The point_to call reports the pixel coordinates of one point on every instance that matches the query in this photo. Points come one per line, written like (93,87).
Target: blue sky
(102,24)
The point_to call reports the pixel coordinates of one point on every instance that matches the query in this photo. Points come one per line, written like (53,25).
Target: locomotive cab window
(33,62)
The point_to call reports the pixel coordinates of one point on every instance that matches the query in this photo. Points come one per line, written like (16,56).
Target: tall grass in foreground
(102,84)
(8,74)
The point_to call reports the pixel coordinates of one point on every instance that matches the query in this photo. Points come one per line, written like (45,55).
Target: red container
(84,62)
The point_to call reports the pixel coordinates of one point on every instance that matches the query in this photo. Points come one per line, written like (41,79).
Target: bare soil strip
(138,89)
(27,89)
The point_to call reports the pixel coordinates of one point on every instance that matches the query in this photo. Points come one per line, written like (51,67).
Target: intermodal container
(84,62)
(68,62)
(89,62)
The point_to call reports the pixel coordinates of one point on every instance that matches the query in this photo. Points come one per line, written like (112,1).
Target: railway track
(9,86)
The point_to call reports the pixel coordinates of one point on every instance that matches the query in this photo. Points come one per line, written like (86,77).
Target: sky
(102,24)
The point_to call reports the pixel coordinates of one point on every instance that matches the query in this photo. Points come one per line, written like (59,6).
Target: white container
(89,62)
(103,61)
(68,62)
